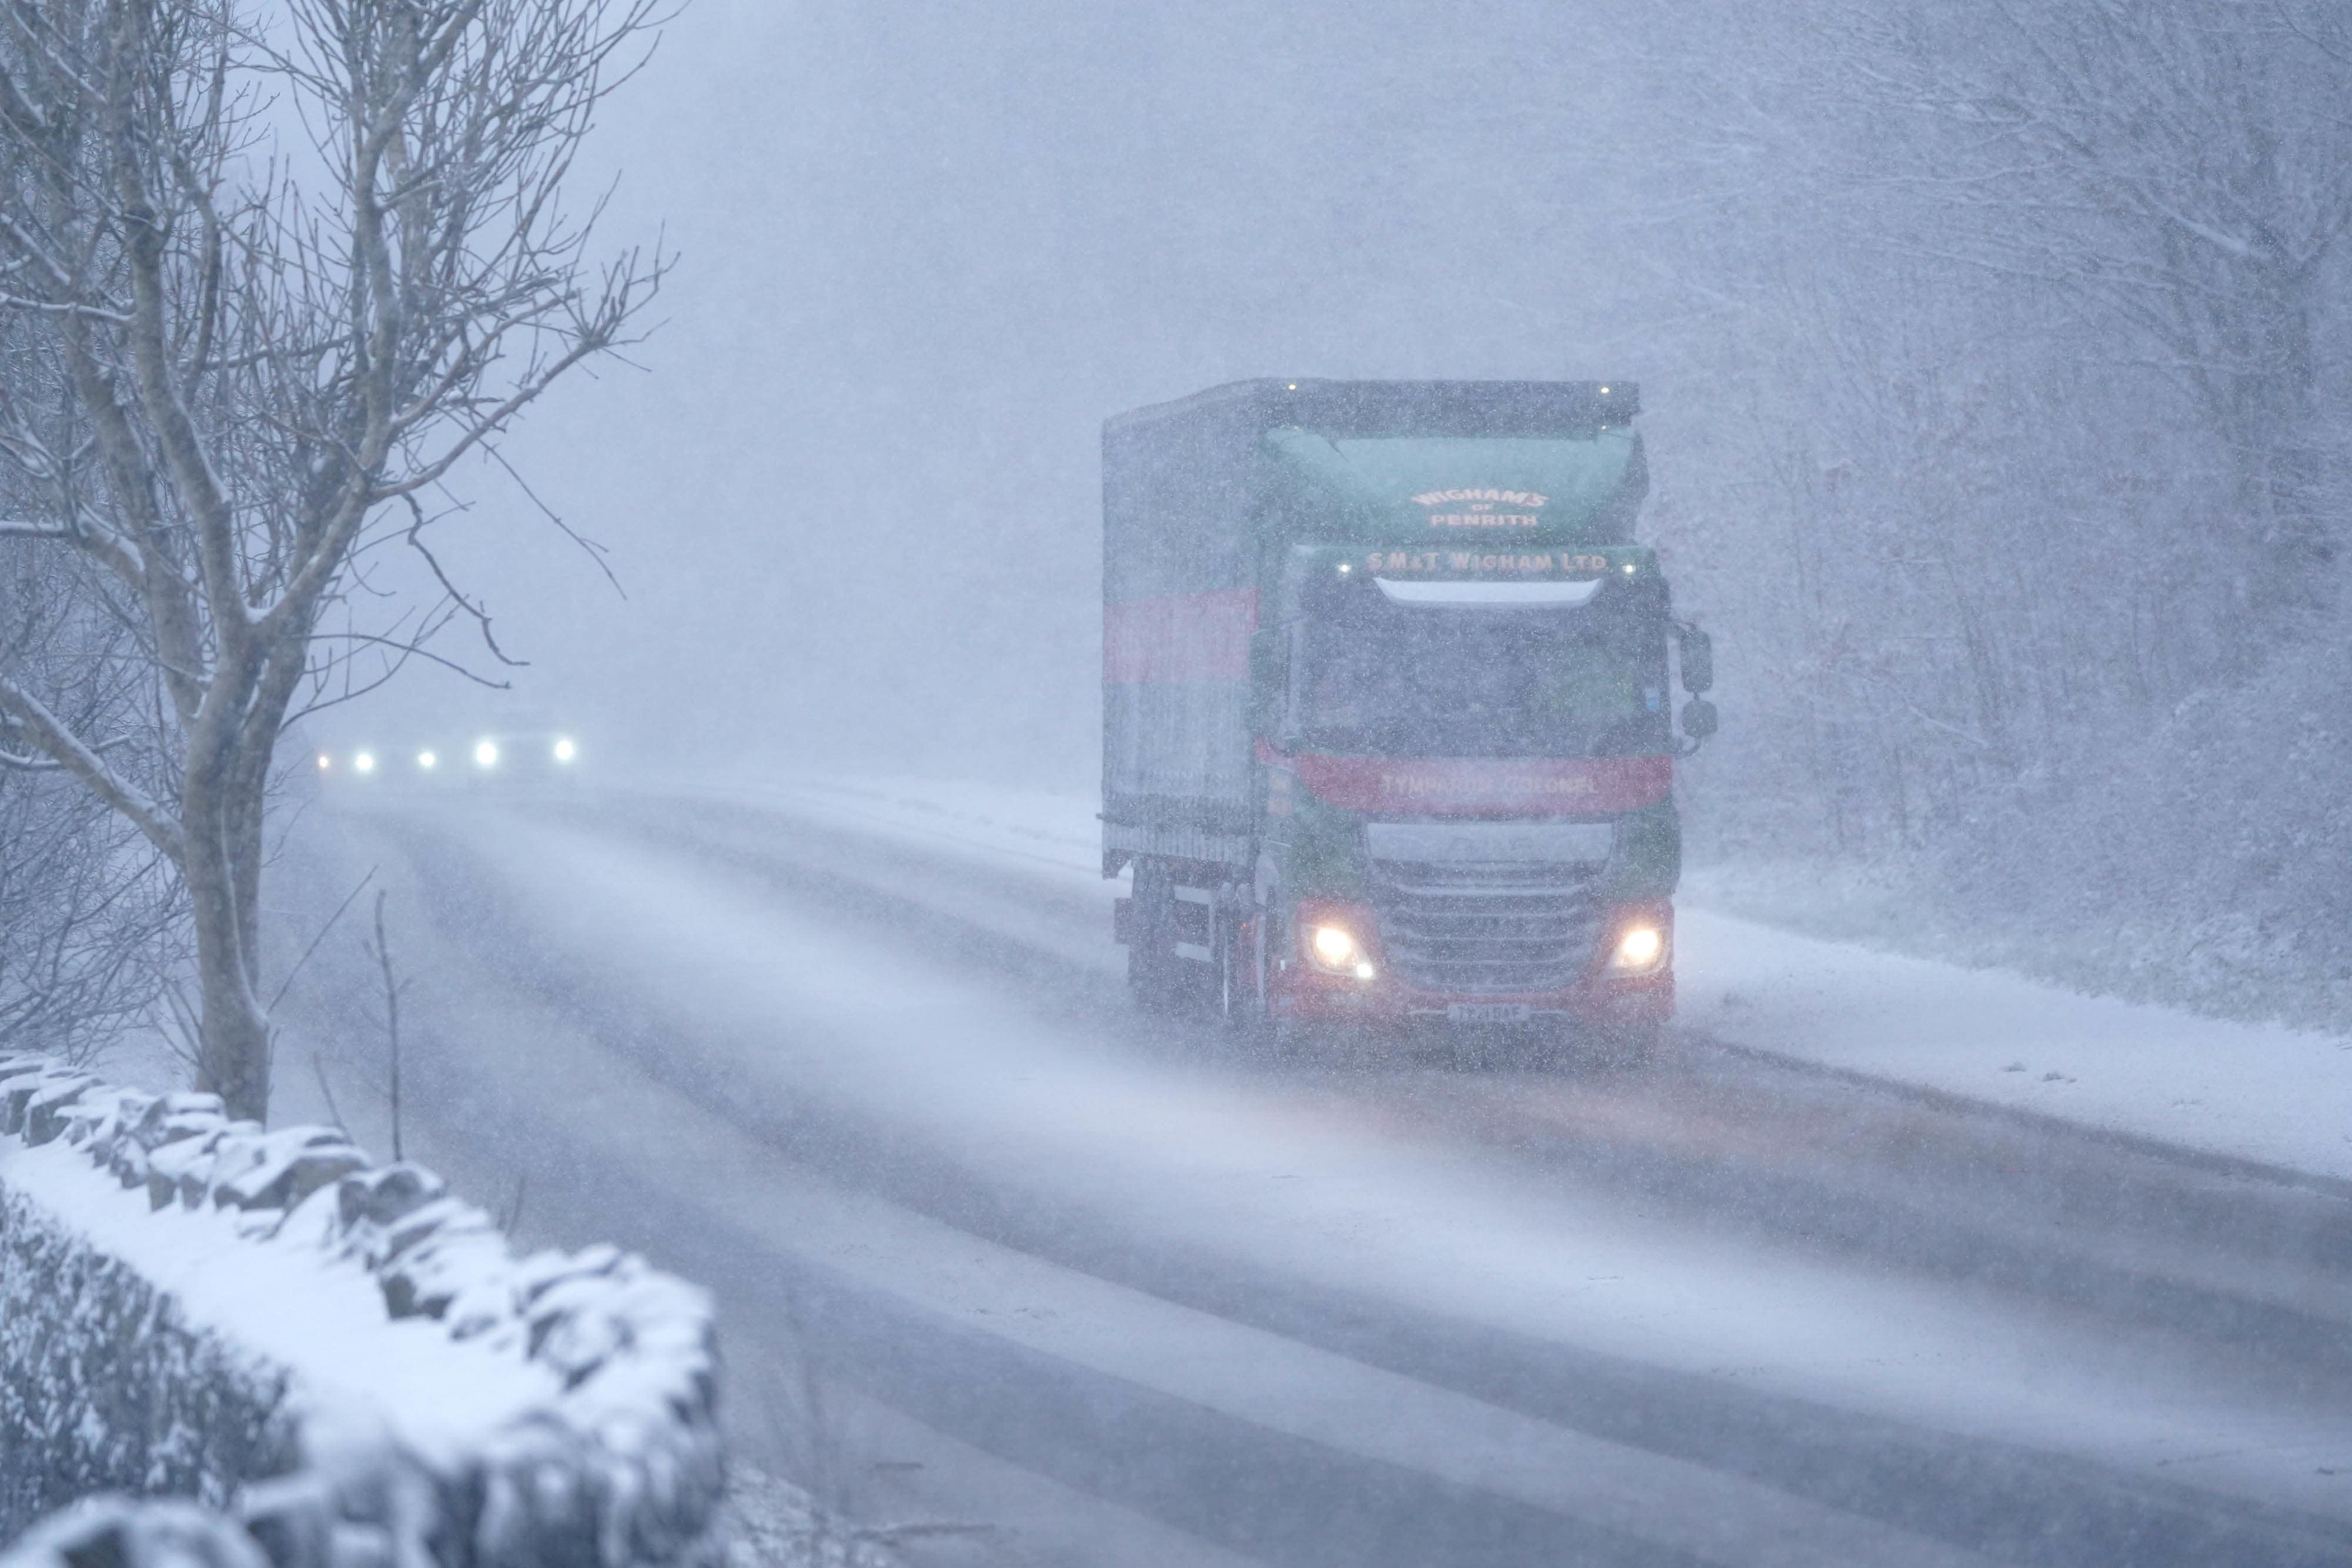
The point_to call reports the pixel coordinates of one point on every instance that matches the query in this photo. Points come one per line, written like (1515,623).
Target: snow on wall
(119,1391)
(344,1353)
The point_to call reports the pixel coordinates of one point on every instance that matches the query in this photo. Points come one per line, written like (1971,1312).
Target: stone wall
(103,1386)
(108,1385)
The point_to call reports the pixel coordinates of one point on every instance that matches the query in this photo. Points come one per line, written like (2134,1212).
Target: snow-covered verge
(2251,1093)
(340,1353)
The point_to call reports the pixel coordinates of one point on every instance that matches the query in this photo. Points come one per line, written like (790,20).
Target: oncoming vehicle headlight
(1335,950)
(486,753)
(564,751)
(1641,947)
(425,759)
(363,763)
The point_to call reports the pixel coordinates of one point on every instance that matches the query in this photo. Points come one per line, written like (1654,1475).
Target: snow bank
(2260,1093)
(344,1352)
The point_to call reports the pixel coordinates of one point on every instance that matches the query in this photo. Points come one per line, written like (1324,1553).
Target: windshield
(1374,678)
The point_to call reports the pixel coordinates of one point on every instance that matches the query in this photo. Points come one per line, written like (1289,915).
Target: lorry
(1387,728)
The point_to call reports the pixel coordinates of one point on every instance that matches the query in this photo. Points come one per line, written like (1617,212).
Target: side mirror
(1698,660)
(1700,718)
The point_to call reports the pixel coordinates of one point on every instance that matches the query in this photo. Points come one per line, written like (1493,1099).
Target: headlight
(364,762)
(486,753)
(325,762)
(1335,949)
(564,751)
(425,759)
(1640,949)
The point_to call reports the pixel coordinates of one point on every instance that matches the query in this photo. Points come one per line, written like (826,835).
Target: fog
(924,251)
(1994,380)
(1979,435)
(1485,1114)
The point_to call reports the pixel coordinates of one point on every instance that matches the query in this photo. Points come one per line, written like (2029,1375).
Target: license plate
(1486,1012)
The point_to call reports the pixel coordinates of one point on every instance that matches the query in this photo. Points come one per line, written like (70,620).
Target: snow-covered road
(1119,1292)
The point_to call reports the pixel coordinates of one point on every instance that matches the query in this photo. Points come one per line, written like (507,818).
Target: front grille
(1474,927)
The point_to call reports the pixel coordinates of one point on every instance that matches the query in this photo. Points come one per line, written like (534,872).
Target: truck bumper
(1302,992)
(1320,999)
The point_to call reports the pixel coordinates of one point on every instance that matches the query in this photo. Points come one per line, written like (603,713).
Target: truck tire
(1158,987)
(1157,976)
(1238,998)
(1155,983)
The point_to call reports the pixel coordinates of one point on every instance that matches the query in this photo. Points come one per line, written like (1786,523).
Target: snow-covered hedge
(347,1357)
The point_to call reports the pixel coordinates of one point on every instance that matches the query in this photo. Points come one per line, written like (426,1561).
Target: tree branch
(82,760)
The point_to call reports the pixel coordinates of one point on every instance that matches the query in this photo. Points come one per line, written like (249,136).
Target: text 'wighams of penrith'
(1480,506)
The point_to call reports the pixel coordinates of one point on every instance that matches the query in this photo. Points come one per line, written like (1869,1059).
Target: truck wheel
(1155,986)
(1159,976)
(1163,982)
(1146,940)
(1240,995)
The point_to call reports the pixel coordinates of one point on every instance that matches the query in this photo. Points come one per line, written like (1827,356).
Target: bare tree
(87,908)
(297,266)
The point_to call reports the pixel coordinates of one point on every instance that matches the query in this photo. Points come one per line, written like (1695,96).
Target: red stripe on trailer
(1478,787)
(1182,637)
